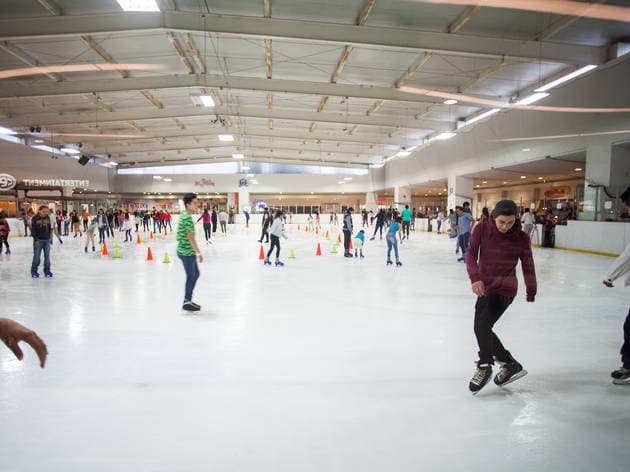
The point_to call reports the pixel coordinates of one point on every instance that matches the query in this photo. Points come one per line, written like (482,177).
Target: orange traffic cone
(139,241)
(326,234)
(316,230)
(319,250)
(149,255)
(298,227)
(261,255)
(151,235)
(104,253)
(339,238)
(165,233)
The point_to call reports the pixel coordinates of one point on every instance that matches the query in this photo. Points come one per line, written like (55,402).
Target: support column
(243,201)
(460,190)
(231,201)
(607,175)
(402,197)
(371,202)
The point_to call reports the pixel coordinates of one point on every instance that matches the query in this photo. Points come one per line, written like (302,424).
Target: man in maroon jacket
(495,247)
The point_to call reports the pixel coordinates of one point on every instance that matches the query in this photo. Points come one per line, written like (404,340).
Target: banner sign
(7,182)
(56,183)
(558,192)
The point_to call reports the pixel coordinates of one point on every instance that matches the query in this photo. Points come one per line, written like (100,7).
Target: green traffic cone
(334,249)
(166,258)
(292,254)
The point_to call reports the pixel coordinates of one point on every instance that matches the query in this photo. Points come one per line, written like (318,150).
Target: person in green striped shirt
(187,249)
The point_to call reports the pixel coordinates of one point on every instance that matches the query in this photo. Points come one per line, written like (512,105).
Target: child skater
(392,242)
(495,248)
(5,229)
(359,241)
(127,228)
(275,232)
(89,234)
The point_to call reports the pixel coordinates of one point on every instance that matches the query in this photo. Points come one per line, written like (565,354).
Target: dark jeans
(463,240)
(392,242)
(85,225)
(405,228)
(4,239)
(346,240)
(145,225)
(265,234)
(379,228)
(101,234)
(192,274)
(275,243)
(42,245)
(156,226)
(207,229)
(128,235)
(488,310)
(625,349)
(439,225)
(223,227)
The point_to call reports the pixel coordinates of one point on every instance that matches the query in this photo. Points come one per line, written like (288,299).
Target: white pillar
(460,190)
(371,202)
(243,200)
(231,201)
(402,197)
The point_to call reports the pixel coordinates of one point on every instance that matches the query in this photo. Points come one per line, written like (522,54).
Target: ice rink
(326,364)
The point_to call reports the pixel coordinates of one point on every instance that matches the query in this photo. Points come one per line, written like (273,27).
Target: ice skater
(620,267)
(265,226)
(465,223)
(89,235)
(5,229)
(406,221)
(188,251)
(347,232)
(42,233)
(495,249)
(359,241)
(276,232)
(392,243)
(207,225)
(380,222)
(127,228)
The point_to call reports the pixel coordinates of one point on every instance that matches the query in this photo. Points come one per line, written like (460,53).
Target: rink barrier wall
(591,237)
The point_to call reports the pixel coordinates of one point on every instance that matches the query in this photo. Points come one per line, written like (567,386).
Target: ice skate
(508,373)
(621,376)
(8,252)
(361,256)
(85,249)
(398,263)
(190,306)
(48,274)
(480,378)
(389,262)
(267,262)
(279,264)
(35,275)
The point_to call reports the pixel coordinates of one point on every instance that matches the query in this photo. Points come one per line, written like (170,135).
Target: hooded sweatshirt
(492,257)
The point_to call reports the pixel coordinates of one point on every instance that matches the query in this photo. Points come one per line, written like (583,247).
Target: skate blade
(514,378)
(621,381)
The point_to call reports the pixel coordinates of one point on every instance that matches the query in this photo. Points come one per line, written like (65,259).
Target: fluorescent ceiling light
(226,137)
(341,182)
(566,78)
(533,98)
(526,149)
(4,130)
(403,153)
(484,182)
(157,177)
(350,178)
(70,150)
(206,100)
(486,114)
(450,102)
(168,180)
(238,156)
(377,166)
(245,168)
(444,136)
(250,175)
(387,159)
(540,178)
(523,176)
(578,169)
(138,5)
(39,141)
(113,163)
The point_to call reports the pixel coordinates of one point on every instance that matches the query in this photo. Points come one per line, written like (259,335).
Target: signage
(260,206)
(56,183)
(7,182)
(558,192)
(204,183)
(242,183)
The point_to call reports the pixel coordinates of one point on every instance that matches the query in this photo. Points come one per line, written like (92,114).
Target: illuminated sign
(56,183)
(7,182)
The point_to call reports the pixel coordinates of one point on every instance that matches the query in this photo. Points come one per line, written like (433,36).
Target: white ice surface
(326,364)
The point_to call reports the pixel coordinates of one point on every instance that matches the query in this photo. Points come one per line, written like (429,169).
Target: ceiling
(323,88)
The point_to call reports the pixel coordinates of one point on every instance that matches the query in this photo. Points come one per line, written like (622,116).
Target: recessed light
(477,185)
(38,141)
(168,180)
(350,178)
(226,137)
(484,182)
(578,169)
(238,156)
(250,175)
(450,102)
(540,178)
(157,177)
(526,149)
(245,168)
(505,183)
(523,176)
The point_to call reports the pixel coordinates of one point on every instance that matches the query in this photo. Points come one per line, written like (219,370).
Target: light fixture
(168,180)
(377,166)
(341,182)
(226,137)
(526,149)
(157,177)
(540,178)
(206,100)
(566,78)
(483,115)
(533,98)
(250,175)
(113,163)
(477,185)
(484,182)
(523,176)
(578,169)
(444,136)
(138,5)
(450,102)
(68,150)
(402,153)
(4,130)
(350,178)
(245,168)
(504,183)
(238,156)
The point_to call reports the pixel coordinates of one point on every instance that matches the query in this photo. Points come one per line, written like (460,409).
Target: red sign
(204,183)
(557,193)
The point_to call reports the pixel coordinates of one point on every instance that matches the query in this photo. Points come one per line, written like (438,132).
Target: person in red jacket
(495,248)
(5,229)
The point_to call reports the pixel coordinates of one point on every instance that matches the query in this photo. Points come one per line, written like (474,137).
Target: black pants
(625,349)
(405,228)
(264,233)
(214,227)
(379,228)
(346,240)
(207,229)
(4,239)
(488,310)
(275,243)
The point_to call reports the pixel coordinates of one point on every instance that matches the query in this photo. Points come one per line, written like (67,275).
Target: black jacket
(41,228)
